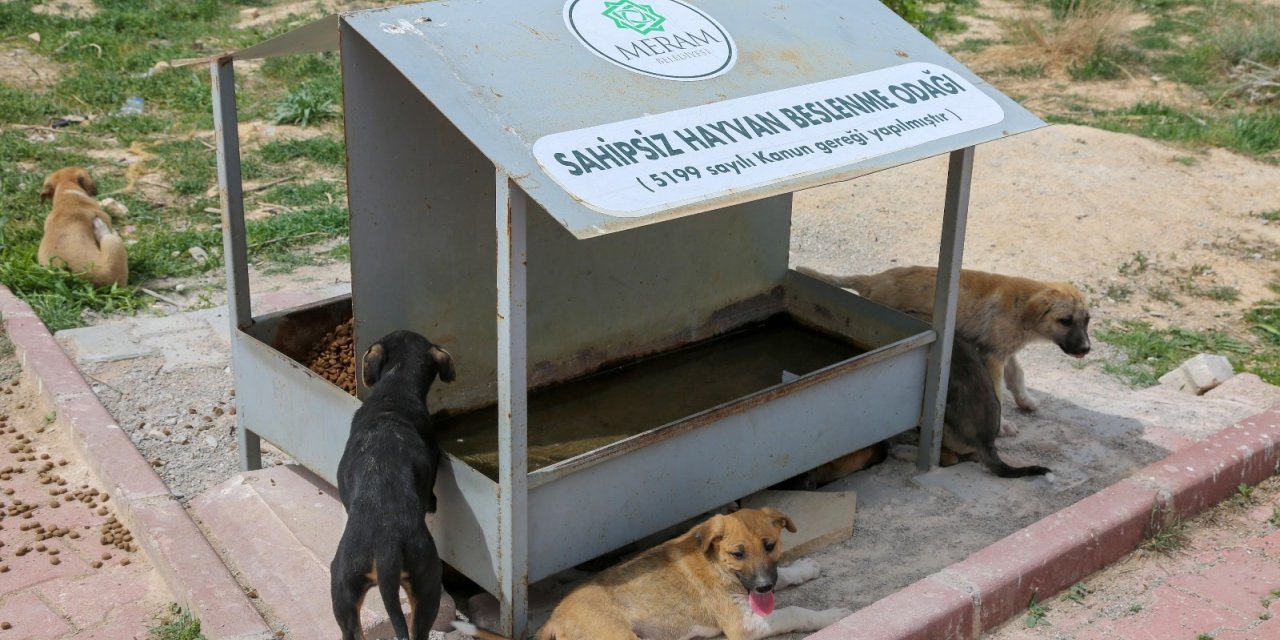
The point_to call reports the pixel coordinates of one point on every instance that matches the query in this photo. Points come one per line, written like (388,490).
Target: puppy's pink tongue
(761,603)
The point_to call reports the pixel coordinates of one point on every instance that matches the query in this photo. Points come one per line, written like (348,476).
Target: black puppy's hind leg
(424,596)
(389,563)
(347,593)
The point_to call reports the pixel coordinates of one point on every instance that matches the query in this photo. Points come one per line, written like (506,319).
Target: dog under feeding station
(588,203)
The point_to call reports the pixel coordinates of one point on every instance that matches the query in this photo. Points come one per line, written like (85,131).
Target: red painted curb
(170,539)
(994,584)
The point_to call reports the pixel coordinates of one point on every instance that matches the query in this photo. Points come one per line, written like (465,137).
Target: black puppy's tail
(987,455)
(389,564)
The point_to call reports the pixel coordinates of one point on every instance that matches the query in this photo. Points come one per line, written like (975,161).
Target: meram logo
(657,38)
(640,18)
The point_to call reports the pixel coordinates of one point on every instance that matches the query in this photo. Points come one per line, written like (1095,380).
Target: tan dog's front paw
(802,570)
(828,617)
(1007,429)
(1026,404)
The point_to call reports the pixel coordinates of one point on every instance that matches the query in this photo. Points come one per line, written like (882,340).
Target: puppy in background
(78,233)
(717,578)
(386,479)
(1000,314)
(972,419)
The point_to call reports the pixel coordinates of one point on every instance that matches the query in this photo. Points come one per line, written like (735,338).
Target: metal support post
(513,461)
(946,295)
(234,246)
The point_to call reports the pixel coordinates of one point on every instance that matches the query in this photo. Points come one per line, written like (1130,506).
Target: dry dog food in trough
(333,357)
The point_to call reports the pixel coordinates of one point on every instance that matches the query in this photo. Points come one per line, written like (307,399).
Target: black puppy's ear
(86,183)
(371,364)
(444,363)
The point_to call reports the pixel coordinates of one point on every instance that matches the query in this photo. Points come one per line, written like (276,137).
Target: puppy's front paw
(828,617)
(1007,429)
(802,570)
(1026,404)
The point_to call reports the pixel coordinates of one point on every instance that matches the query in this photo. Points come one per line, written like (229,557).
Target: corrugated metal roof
(509,74)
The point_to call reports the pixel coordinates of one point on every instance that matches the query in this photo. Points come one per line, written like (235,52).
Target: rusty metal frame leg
(513,463)
(946,295)
(234,246)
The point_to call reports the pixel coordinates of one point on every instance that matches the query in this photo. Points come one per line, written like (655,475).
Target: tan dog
(78,232)
(999,314)
(718,578)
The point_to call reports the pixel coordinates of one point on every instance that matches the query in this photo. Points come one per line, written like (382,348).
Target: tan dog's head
(747,545)
(73,175)
(1060,313)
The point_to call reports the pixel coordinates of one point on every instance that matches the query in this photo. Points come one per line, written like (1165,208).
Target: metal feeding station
(588,202)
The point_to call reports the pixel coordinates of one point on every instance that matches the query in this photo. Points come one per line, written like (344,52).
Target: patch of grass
(176,624)
(1037,613)
(309,104)
(1161,294)
(1077,592)
(58,297)
(1271,215)
(1255,133)
(1249,33)
(932,18)
(1149,353)
(1222,293)
(1135,608)
(1275,517)
(323,150)
(1118,292)
(1205,636)
(1136,265)
(1164,535)
(1187,161)
(1243,495)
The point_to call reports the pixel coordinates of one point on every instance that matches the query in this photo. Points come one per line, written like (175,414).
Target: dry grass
(1084,30)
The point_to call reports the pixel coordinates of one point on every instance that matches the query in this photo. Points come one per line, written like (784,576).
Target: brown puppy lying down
(999,314)
(78,232)
(718,578)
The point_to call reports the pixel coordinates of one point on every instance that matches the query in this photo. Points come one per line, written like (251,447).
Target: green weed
(1077,592)
(309,104)
(1164,535)
(1037,613)
(1243,495)
(1136,265)
(176,624)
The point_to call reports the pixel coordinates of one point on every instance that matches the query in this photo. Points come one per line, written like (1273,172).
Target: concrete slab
(104,343)
(822,518)
(187,349)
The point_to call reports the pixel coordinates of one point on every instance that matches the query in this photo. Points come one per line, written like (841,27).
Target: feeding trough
(589,204)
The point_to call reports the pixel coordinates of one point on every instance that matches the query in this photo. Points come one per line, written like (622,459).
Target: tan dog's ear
(780,519)
(709,532)
(444,362)
(46,193)
(86,183)
(371,364)
(1039,304)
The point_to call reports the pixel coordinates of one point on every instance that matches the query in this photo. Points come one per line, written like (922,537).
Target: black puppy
(386,479)
(972,420)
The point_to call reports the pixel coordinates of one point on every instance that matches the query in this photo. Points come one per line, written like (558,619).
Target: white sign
(658,162)
(658,38)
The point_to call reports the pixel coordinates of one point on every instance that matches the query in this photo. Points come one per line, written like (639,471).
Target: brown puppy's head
(746,544)
(1060,313)
(410,354)
(73,175)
